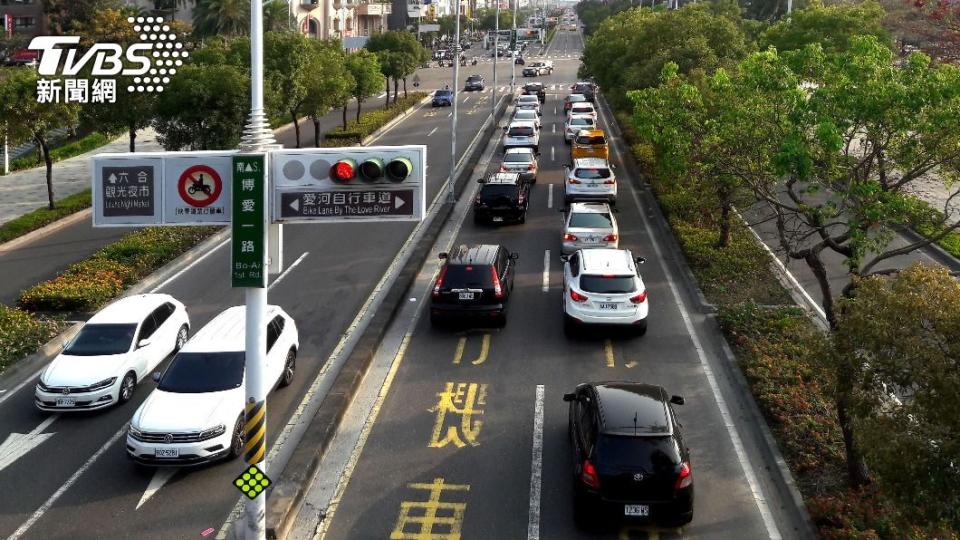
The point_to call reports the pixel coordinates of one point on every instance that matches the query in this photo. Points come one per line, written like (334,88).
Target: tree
(367,78)
(399,54)
(487,19)
(287,59)
(204,108)
(27,119)
(276,16)
(107,26)
(63,16)
(902,332)
(831,26)
(221,18)
(329,82)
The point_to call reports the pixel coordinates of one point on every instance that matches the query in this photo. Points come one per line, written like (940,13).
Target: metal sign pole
(514,43)
(496,60)
(451,198)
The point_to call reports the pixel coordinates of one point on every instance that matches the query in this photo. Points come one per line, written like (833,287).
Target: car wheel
(523,218)
(501,321)
(582,511)
(569,328)
(127,385)
(289,367)
(182,336)
(642,328)
(236,442)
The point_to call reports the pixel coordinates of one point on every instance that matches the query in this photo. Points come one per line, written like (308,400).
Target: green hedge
(87,285)
(21,334)
(44,216)
(370,121)
(81,146)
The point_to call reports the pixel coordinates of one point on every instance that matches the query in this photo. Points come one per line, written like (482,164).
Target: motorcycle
(474,62)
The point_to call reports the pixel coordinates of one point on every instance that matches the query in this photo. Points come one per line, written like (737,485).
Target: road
(490,486)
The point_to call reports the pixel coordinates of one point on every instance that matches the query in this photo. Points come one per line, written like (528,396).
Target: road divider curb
(47,229)
(299,471)
(23,371)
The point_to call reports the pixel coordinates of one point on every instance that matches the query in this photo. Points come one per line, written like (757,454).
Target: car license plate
(497,218)
(166,452)
(66,402)
(611,305)
(466,296)
(641,510)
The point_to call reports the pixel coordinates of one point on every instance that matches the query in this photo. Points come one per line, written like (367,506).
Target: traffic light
(343,170)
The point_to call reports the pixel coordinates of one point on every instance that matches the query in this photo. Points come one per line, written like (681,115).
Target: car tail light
(520,198)
(610,238)
(610,181)
(497,289)
(589,475)
(569,237)
(685,478)
(436,288)
(573,181)
(531,167)
(577,297)
(638,299)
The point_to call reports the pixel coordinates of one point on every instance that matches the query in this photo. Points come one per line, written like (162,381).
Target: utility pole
(451,197)
(789,7)
(257,139)
(496,60)
(514,42)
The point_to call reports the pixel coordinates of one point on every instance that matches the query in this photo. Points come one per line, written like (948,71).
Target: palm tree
(276,16)
(221,17)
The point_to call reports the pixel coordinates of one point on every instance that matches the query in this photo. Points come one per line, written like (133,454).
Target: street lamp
(496,60)
(451,198)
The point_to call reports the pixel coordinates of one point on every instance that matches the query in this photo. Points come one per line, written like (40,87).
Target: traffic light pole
(496,60)
(451,198)
(514,42)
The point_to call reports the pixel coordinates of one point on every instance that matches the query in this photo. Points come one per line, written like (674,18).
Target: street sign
(373,183)
(248,264)
(161,188)
(430,27)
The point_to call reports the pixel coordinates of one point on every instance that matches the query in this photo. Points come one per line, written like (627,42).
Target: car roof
(522,150)
(600,261)
(130,309)
(523,123)
(580,97)
(225,332)
(502,178)
(590,163)
(583,104)
(633,408)
(527,97)
(475,254)
(589,208)
(592,132)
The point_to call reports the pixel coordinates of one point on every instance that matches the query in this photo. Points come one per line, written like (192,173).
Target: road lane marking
(546,266)
(160,477)
(773,532)
(465,100)
(279,278)
(608,353)
(550,194)
(449,114)
(553,155)
(554,127)
(18,445)
(432,131)
(189,266)
(426,519)
(536,469)
(463,401)
(462,345)
(66,485)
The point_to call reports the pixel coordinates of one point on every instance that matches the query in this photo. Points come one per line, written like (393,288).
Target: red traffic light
(343,170)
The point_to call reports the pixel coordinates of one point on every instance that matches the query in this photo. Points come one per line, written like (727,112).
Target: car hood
(69,370)
(180,412)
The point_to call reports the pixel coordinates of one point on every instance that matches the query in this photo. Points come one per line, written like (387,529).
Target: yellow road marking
(458,399)
(462,345)
(426,520)
(608,351)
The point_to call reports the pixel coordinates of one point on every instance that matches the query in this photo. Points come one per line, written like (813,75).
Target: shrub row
(72,149)
(87,285)
(21,334)
(370,121)
(44,216)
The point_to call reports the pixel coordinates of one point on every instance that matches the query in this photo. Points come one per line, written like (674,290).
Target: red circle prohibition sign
(200,186)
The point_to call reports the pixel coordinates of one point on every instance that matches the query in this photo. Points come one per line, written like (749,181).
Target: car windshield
(592,140)
(199,372)
(444,93)
(463,275)
(521,131)
(592,174)
(102,339)
(474,78)
(519,157)
(528,99)
(607,284)
(651,453)
(591,220)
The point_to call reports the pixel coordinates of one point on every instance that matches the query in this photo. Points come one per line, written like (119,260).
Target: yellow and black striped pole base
(255,432)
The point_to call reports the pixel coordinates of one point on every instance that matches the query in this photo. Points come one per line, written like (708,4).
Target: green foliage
(593,12)
(204,108)
(21,334)
(399,53)
(831,26)
(370,122)
(65,16)
(221,18)
(365,70)
(40,217)
(71,149)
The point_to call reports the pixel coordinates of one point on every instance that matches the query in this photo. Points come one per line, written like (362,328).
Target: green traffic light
(399,169)
(371,169)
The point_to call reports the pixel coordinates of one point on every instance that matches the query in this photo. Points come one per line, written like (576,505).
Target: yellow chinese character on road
(424,517)
(459,399)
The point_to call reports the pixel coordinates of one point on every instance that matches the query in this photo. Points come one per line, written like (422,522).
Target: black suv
(588,89)
(475,282)
(503,197)
(535,89)
(474,82)
(629,456)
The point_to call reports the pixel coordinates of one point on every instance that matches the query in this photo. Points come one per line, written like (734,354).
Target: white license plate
(66,402)
(466,296)
(497,219)
(166,452)
(611,305)
(641,510)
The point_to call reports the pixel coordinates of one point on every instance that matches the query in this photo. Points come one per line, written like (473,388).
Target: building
(325,19)
(165,8)
(23,17)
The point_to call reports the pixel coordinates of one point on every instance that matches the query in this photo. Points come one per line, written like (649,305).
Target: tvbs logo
(150,62)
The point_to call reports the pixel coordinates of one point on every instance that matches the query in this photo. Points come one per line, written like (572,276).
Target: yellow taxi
(590,143)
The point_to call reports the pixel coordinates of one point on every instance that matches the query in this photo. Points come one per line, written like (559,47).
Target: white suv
(590,179)
(195,415)
(602,286)
(521,134)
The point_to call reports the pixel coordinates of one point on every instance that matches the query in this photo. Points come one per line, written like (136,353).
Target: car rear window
(525,114)
(607,284)
(524,131)
(490,192)
(467,275)
(592,140)
(520,157)
(650,453)
(581,121)
(528,99)
(581,109)
(575,98)
(474,78)
(592,174)
(591,220)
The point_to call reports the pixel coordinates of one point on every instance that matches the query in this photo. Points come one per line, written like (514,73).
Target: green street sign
(249,263)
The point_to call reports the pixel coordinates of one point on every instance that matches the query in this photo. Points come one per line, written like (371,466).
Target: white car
(602,287)
(583,108)
(527,115)
(590,225)
(117,348)
(529,102)
(520,134)
(590,179)
(575,123)
(195,415)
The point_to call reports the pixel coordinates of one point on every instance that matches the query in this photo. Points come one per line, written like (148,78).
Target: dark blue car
(443,98)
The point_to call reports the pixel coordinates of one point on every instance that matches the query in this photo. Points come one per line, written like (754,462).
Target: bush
(44,216)
(81,146)
(370,121)
(21,334)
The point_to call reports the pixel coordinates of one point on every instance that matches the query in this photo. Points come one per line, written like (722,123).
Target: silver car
(575,123)
(522,161)
(527,115)
(529,102)
(590,225)
(521,134)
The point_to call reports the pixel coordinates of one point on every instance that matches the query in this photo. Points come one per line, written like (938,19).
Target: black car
(475,283)
(474,82)
(503,197)
(629,455)
(537,89)
(588,89)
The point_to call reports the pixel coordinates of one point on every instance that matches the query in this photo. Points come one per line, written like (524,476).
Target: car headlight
(102,384)
(42,387)
(134,432)
(213,432)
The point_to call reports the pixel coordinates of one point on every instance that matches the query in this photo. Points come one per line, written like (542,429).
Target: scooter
(474,62)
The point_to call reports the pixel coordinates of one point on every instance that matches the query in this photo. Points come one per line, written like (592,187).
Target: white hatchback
(603,287)
(527,115)
(117,348)
(521,134)
(195,415)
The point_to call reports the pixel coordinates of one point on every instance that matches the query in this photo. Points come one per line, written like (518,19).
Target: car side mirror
(143,343)
(538,154)
(565,258)
(514,256)
(570,397)
(641,260)
(443,255)
(676,400)
(480,180)
(155,376)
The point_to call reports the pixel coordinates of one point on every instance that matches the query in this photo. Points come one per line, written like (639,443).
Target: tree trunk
(820,272)
(316,131)
(296,126)
(856,466)
(345,105)
(404,88)
(132,130)
(359,102)
(724,223)
(45,150)
(387,102)
(396,89)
